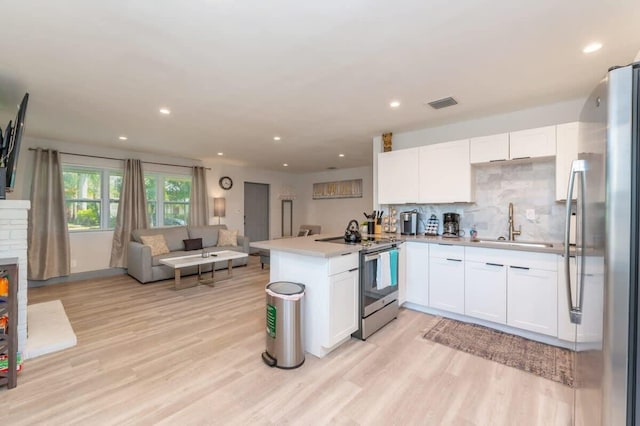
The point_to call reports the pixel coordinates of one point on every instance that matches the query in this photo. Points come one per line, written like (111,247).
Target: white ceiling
(319,74)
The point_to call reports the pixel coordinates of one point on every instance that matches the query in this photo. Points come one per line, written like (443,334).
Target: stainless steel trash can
(285,347)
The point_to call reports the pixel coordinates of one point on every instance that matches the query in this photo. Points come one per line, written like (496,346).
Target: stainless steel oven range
(378,306)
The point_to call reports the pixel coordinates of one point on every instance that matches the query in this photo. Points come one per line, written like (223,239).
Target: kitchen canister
(432,225)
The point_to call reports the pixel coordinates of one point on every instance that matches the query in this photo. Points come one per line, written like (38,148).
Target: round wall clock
(225,182)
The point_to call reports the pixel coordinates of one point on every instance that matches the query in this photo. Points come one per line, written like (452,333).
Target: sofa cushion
(173,236)
(209,234)
(228,238)
(193,244)
(156,242)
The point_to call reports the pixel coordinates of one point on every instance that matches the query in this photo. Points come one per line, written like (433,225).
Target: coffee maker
(451,225)
(409,222)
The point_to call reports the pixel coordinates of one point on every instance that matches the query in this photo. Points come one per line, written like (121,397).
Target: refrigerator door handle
(577,167)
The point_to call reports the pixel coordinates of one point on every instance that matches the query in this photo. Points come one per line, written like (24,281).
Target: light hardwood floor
(147,354)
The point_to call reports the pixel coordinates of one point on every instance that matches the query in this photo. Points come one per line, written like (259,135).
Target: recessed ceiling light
(394,104)
(592,47)
(285,165)
(340,155)
(276,138)
(123,138)
(165,111)
(220,153)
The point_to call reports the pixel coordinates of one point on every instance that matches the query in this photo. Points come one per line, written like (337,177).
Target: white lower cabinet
(485,292)
(532,300)
(417,278)
(446,279)
(343,306)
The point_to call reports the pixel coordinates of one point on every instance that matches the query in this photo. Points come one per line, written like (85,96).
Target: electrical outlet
(531,214)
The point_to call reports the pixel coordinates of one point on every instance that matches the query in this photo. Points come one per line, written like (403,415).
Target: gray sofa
(146,268)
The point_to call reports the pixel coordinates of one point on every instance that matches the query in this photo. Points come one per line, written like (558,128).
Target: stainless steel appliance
(285,348)
(451,225)
(409,222)
(602,288)
(377,306)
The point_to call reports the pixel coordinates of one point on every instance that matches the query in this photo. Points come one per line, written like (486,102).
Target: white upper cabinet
(566,152)
(489,148)
(532,143)
(398,173)
(445,173)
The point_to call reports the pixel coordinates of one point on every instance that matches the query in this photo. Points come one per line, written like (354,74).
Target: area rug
(543,360)
(48,329)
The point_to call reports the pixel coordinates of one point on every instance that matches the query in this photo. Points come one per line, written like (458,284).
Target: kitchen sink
(514,243)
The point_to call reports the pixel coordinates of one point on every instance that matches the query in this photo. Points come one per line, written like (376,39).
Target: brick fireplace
(13,243)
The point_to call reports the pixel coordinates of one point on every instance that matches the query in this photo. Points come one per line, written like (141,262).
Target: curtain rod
(113,158)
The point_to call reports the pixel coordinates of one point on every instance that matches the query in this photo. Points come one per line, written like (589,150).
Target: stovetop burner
(371,242)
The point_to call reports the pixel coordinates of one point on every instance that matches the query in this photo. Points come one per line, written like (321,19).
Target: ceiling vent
(443,103)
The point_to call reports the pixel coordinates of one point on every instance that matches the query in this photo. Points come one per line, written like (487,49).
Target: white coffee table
(180,262)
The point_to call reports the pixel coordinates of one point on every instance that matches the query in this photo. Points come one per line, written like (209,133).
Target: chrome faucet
(512,230)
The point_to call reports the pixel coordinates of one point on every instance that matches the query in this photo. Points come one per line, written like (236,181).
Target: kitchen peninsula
(330,275)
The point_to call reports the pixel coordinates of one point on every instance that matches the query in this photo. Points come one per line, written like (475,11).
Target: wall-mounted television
(10,148)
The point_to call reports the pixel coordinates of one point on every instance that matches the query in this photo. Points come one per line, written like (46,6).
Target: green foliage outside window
(92,198)
(82,190)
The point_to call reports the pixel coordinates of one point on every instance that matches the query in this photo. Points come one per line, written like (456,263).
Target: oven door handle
(370,257)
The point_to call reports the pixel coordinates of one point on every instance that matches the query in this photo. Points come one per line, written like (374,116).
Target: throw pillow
(193,244)
(228,238)
(157,243)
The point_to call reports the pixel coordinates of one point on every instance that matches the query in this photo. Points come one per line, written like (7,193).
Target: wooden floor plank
(148,354)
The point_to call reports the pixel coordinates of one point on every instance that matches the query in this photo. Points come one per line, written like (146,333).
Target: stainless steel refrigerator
(601,272)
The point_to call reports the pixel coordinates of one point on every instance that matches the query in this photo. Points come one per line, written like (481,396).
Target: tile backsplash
(526,184)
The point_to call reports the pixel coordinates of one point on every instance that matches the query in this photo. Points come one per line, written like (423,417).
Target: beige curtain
(47,233)
(132,212)
(199,208)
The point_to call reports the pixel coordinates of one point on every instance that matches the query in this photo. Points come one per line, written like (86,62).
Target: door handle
(454,260)
(578,167)
(524,268)
(494,264)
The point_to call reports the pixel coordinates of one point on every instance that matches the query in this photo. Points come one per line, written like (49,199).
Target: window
(92,198)
(168,199)
(82,189)
(87,208)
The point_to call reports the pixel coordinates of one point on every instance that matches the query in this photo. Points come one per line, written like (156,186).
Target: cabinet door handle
(354,269)
(454,260)
(443,244)
(519,267)
(520,158)
(494,264)
(495,161)
(346,254)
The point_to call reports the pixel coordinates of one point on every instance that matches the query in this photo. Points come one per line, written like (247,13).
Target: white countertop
(310,247)
(557,248)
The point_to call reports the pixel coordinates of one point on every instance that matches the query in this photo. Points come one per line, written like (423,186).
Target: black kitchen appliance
(451,225)
(352,233)
(409,222)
